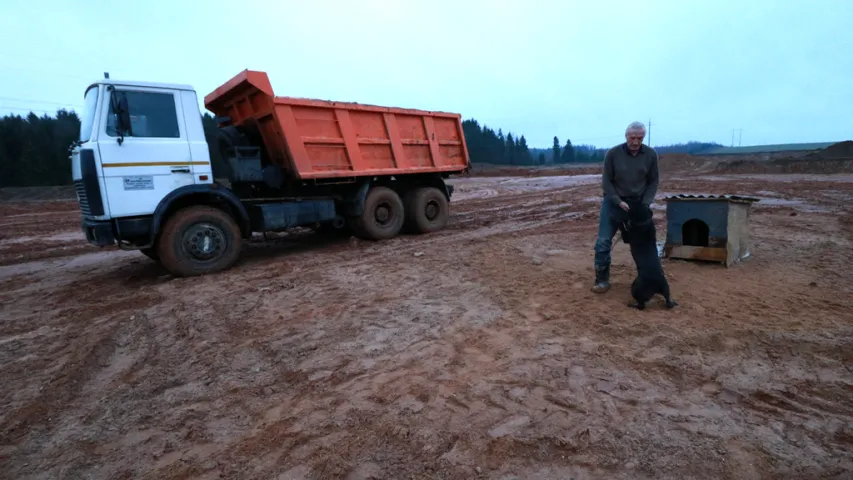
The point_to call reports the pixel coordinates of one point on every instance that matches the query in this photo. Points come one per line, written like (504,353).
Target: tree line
(34,150)
(485,145)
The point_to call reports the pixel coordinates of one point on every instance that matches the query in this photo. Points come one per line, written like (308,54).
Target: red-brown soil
(475,352)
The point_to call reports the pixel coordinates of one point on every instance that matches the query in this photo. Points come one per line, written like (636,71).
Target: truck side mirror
(122,113)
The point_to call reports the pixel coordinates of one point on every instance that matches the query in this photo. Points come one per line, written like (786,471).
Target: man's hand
(624,206)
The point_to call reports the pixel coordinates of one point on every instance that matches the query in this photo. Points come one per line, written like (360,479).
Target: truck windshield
(90,102)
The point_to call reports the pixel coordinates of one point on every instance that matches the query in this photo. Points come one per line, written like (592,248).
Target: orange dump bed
(315,139)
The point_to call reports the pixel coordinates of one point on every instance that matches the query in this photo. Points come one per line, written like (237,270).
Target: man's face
(635,139)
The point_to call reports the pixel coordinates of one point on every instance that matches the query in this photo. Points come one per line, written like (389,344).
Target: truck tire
(199,240)
(383,214)
(427,210)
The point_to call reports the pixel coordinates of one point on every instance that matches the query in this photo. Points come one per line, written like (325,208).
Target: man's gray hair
(635,126)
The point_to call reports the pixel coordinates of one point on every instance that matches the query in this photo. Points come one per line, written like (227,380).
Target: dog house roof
(728,198)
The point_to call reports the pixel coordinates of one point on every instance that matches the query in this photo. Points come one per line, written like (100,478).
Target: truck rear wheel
(199,240)
(426,210)
(383,214)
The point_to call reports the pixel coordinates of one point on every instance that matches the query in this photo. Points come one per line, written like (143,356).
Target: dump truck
(145,181)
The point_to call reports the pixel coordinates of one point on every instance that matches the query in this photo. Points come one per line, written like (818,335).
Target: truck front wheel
(426,209)
(383,214)
(199,240)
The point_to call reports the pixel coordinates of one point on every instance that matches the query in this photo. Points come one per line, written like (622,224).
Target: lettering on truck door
(153,157)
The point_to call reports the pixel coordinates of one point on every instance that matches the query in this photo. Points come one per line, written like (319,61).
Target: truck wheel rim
(383,214)
(204,241)
(431,211)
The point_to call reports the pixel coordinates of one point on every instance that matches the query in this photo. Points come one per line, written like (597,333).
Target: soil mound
(838,150)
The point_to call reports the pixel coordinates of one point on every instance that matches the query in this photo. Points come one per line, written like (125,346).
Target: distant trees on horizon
(487,146)
(34,149)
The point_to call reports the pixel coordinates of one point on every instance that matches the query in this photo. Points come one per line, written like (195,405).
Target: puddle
(59,237)
(783,202)
(765,198)
(776,202)
(51,264)
(485,187)
(553,181)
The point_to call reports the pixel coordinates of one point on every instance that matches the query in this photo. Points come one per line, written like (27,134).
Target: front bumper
(99,232)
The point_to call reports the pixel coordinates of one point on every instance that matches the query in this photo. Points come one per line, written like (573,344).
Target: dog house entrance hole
(694,233)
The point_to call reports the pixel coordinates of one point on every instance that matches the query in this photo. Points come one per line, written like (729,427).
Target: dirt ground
(476,352)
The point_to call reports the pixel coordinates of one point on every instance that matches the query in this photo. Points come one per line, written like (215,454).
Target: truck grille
(81,197)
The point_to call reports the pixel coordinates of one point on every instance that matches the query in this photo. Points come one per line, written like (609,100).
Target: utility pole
(650,132)
(739,136)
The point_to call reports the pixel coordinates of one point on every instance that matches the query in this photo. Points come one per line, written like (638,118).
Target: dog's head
(636,222)
(639,214)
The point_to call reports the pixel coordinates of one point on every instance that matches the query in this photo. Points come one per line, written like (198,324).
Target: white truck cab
(164,147)
(141,156)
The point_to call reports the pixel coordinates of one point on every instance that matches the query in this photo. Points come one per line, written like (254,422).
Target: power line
(77,62)
(650,132)
(4,68)
(46,102)
(740,132)
(21,109)
(595,138)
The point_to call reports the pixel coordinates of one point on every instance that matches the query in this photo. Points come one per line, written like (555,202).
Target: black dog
(638,231)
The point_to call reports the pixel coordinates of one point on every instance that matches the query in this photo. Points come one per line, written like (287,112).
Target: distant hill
(785,147)
(593,154)
(691,148)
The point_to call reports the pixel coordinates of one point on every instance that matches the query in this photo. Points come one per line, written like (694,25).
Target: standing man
(630,172)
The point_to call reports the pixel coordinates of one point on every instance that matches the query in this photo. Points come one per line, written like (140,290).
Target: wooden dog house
(708,227)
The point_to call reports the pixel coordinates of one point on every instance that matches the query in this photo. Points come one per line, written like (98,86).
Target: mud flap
(355,206)
(98,233)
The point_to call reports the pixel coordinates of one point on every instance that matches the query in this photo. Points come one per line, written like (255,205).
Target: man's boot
(602,279)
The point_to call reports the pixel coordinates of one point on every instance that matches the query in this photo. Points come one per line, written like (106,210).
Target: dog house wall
(715,214)
(727,219)
(737,246)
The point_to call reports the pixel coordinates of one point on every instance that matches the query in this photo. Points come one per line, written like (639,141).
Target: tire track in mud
(366,360)
(95,362)
(341,374)
(671,365)
(465,225)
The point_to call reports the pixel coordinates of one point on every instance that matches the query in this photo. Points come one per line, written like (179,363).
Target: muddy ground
(476,352)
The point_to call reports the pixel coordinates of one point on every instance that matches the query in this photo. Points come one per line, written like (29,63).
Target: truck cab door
(151,158)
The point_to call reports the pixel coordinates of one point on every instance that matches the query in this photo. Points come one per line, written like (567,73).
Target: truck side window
(152,115)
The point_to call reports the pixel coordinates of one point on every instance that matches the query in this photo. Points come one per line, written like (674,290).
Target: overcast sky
(782,71)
